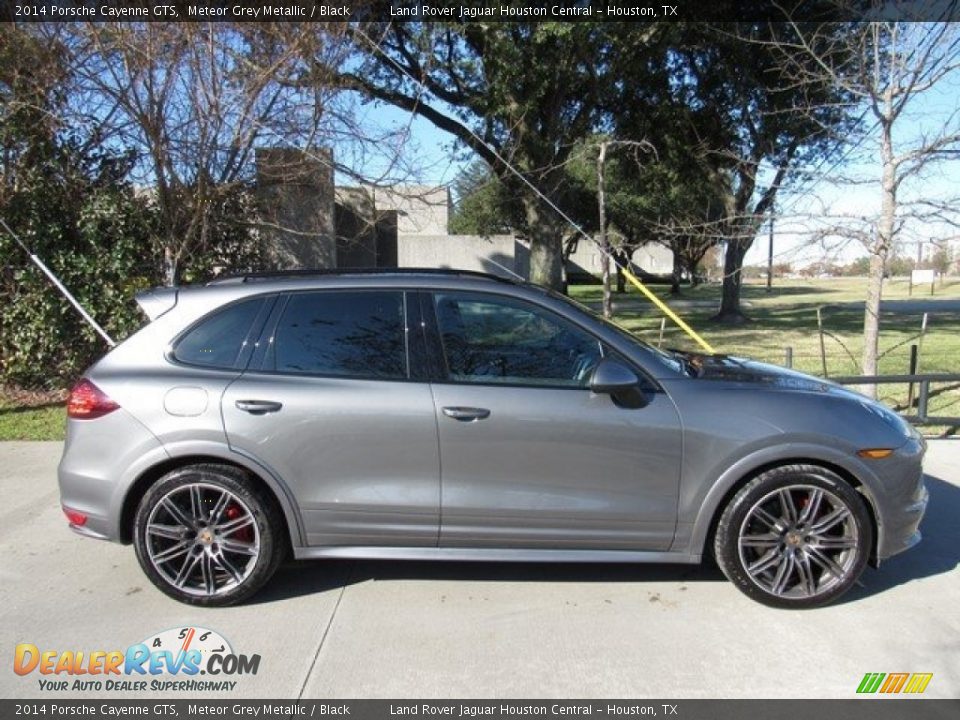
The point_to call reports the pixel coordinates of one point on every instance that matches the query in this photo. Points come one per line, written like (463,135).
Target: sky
(438,160)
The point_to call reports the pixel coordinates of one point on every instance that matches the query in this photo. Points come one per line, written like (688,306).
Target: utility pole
(604,241)
(770,254)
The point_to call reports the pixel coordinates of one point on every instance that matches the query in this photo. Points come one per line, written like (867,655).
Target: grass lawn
(31,415)
(786,317)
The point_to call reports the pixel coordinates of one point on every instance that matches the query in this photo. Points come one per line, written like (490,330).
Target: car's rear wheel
(207,535)
(796,536)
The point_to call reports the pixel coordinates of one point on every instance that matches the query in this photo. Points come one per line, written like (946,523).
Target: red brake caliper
(244,534)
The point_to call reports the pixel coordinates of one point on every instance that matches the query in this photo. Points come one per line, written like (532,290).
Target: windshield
(672,360)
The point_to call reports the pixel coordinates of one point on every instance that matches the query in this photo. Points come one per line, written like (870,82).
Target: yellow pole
(666,310)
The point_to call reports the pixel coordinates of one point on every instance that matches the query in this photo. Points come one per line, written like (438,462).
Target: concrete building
(310,223)
(295,200)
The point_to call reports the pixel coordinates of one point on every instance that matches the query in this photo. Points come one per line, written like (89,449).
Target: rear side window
(343,334)
(218,339)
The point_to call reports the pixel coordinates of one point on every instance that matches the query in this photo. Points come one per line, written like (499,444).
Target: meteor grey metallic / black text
(454,415)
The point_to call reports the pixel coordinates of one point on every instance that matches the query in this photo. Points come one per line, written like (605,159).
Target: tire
(206,535)
(796,536)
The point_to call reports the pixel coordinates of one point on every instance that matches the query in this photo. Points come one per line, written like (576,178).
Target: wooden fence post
(823,349)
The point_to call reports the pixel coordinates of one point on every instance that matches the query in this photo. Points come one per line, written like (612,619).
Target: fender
(784,454)
(220,450)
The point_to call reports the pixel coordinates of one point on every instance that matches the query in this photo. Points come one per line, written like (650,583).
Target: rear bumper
(89,532)
(95,471)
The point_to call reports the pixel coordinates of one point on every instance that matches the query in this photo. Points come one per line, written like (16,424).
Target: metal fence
(923,380)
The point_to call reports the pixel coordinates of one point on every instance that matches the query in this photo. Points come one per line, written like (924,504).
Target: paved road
(376,629)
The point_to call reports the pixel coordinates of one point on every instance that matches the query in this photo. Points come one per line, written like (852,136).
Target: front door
(531,458)
(330,405)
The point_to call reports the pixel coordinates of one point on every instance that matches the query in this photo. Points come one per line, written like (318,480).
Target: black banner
(475,10)
(874,709)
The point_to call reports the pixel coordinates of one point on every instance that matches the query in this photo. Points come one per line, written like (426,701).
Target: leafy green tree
(69,203)
(753,125)
(483,206)
(522,92)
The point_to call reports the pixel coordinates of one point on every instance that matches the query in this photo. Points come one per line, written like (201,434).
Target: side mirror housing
(621,383)
(612,376)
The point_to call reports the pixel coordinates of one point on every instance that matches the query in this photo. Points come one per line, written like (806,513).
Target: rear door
(332,404)
(531,457)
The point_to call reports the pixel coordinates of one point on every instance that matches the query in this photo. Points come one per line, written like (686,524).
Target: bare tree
(607,250)
(194,101)
(887,67)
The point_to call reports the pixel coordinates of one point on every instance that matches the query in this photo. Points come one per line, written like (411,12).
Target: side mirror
(611,377)
(621,383)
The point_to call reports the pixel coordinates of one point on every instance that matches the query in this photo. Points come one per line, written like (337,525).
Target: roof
(279,275)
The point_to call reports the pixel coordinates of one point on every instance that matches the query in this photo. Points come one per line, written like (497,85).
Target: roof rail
(325,272)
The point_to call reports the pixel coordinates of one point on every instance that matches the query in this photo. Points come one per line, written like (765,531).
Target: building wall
(421,209)
(494,254)
(510,256)
(310,223)
(295,200)
(653,258)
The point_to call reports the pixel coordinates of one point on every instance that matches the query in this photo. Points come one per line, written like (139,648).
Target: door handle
(466,414)
(258,407)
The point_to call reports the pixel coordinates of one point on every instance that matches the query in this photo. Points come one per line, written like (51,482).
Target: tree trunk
(170,270)
(675,275)
(730,312)
(878,259)
(871,318)
(546,248)
(623,260)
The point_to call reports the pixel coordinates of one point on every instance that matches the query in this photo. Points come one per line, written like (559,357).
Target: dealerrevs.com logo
(170,661)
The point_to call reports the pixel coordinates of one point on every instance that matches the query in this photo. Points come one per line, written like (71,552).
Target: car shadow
(937,553)
(306,577)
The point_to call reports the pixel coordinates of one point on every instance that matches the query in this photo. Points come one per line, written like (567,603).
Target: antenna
(59,285)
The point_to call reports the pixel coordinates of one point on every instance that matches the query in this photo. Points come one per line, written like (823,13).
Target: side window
(218,339)
(499,340)
(343,334)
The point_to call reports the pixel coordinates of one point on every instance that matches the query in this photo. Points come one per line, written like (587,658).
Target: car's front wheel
(207,535)
(796,536)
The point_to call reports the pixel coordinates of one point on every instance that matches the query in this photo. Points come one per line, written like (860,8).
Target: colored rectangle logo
(894,683)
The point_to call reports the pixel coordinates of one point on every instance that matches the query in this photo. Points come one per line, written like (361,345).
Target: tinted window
(219,338)
(496,340)
(349,334)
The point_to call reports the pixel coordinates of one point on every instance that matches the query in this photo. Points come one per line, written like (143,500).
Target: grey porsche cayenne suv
(458,416)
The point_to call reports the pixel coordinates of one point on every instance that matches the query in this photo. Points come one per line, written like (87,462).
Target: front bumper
(901,507)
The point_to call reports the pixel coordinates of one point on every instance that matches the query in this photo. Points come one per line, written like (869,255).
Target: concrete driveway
(376,629)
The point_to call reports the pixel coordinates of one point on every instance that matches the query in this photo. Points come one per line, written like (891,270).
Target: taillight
(87,402)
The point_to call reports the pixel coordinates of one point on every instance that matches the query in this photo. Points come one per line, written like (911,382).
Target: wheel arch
(733,480)
(147,477)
